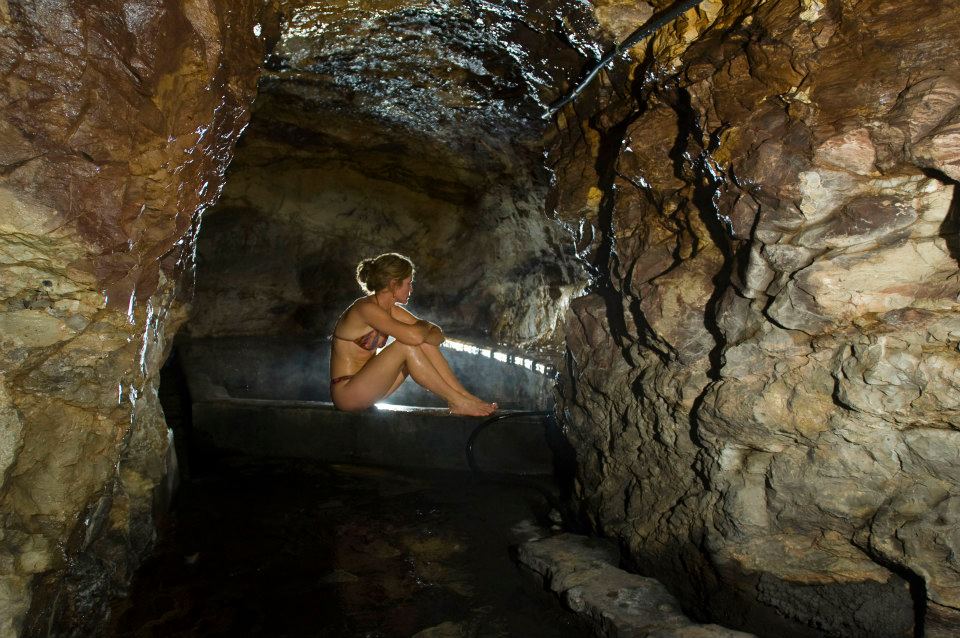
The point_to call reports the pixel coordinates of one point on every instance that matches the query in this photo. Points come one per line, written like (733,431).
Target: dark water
(257,548)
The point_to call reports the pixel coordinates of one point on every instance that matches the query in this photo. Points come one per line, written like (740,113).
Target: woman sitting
(363,371)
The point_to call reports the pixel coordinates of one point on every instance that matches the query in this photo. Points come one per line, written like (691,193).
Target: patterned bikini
(373,340)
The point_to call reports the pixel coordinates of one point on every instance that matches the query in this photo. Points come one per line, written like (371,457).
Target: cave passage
(737,248)
(283,525)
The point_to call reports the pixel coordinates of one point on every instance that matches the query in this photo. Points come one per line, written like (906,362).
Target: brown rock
(782,222)
(117,124)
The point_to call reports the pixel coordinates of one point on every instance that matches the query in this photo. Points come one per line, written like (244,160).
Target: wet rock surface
(117,122)
(761,385)
(264,548)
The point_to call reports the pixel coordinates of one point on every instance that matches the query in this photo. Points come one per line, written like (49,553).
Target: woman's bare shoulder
(351,315)
(357,303)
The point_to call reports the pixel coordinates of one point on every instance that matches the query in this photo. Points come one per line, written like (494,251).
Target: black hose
(653,25)
(471,460)
(522,480)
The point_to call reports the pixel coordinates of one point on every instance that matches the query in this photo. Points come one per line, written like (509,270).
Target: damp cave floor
(257,547)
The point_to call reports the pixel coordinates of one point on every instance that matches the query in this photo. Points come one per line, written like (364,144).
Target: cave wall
(117,123)
(763,385)
(278,253)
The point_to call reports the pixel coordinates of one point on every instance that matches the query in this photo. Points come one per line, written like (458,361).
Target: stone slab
(615,603)
(390,436)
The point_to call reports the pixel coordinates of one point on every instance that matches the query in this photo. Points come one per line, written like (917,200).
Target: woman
(363,371)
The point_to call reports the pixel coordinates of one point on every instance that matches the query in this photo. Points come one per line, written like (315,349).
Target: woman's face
(402,292)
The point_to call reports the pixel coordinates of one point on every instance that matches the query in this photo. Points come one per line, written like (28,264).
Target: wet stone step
(583,572)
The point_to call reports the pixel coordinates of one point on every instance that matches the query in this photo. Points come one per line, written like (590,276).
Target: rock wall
(763,385)
(117,123)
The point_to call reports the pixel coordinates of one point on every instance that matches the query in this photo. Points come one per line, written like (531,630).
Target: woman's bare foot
(479,400)
(471,397)
(472,408)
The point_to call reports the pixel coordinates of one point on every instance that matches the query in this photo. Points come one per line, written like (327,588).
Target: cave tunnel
(724,277)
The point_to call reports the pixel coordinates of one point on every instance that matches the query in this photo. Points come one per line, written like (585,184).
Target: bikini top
(373,340)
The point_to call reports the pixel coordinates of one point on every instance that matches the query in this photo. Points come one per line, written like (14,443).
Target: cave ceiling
(440,96)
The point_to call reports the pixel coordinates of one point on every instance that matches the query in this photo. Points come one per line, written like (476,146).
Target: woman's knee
(407,349)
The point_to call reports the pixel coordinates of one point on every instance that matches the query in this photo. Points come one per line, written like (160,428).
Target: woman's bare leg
(439,362)
(459,402)
(379,376)
(401,377)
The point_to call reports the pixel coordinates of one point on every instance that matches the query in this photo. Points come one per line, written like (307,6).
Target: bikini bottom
(334,382)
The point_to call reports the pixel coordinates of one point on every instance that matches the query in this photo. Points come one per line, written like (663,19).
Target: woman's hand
(434,335)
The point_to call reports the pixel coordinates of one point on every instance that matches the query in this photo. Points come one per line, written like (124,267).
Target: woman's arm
(434,334)
(411,334)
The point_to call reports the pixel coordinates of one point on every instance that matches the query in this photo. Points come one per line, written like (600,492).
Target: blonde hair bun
(377,273)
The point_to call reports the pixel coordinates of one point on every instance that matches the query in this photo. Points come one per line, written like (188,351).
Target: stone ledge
(399,436)
(615,603)
(328,406)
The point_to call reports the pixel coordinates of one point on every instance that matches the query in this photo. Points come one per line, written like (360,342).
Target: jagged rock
(117,123)
(776,240)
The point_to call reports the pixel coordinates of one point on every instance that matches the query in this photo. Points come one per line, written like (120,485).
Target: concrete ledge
(395,436)
(615,603)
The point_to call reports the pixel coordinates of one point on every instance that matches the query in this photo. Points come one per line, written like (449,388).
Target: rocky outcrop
(117,124)
(762,386)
